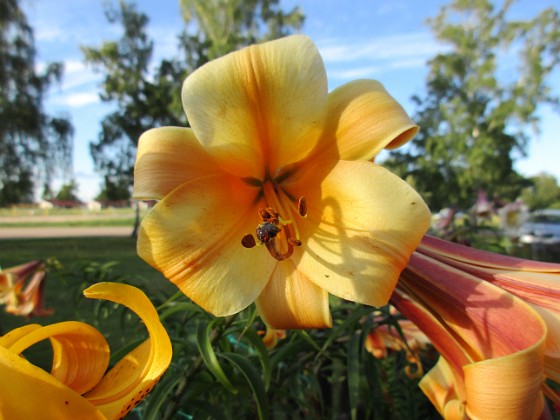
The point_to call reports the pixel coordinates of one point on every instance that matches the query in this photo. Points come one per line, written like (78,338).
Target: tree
(543,193)
(114,191)
(227,25)
(139,105)
(33,144)
(473,121)
(68,192)
(147,98)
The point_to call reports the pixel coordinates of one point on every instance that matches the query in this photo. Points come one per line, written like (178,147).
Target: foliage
(114,189)
(148,96)
(221,369)
(543,193)
(68,191)
(126,67)
(34,144)
(227,25)
(473,118)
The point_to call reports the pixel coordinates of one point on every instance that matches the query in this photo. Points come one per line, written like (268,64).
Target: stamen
(277,219)
(302,206)
(294,242)
(248,241)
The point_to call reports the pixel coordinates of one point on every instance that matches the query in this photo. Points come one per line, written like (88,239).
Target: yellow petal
(506,387)
(440,386)
(28,392)
(166,158)
(80,352)
(193,236)
(362,226)
(130,380)
(13,336)
(365,119)
(261,106)
(291,301)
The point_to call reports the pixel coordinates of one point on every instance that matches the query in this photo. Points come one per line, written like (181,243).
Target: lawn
(84,261)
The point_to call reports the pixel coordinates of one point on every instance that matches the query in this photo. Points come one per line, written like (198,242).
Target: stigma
(272,227)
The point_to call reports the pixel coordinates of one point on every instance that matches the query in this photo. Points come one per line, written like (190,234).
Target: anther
(302,206)
(269,215)
(248,241)
(294,242)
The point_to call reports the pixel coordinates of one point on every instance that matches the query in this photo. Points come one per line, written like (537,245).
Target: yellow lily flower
(271,152)
(21,298)
(493,319)
(77,387)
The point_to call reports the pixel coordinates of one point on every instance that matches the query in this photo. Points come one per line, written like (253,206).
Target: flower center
(277,221)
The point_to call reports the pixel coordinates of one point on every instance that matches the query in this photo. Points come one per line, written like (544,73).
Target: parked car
(542,228)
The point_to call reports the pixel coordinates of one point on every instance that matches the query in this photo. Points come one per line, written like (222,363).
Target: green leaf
(180,307)
(209,356)
(354,350)
(253,338)
(254,380)
(160,397)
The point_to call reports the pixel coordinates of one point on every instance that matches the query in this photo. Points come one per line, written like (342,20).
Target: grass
(84,261)
(73,223)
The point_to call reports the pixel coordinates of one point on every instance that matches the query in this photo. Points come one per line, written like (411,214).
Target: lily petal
(134,376)
(52,399)
(506,387)
(291,301)
(193,236)
(166,158)
(493,370)
(365,119)
(536,283)
(262,106)
(80,352)
(362,226)
(440,386)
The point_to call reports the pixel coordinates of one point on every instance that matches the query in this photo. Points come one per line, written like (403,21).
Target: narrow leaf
(209,356)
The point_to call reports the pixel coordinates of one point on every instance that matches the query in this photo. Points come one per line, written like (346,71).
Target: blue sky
(384,40)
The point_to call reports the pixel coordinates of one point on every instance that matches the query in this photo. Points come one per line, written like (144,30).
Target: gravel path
(61,232)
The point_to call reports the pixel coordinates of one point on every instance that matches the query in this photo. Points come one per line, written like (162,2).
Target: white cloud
(76,100)
(354,72)
(397,47)
(77,74)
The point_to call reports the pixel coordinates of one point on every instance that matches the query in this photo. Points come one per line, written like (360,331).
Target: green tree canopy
(473,119)
(68,192)
(33,144)
(543,193)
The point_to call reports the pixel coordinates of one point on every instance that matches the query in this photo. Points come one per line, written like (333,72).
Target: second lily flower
(274,159)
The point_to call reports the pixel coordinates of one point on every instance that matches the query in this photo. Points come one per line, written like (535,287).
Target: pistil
(277,219)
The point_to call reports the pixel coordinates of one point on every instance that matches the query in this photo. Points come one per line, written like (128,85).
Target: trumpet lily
(493,319)
(77,387)
(21,298)
(272,154)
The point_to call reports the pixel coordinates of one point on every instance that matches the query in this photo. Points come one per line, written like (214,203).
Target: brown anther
(248,241)
(269,214)
(294,242)
(302,206)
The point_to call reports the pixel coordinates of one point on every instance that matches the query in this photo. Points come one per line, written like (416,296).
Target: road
(61,232)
